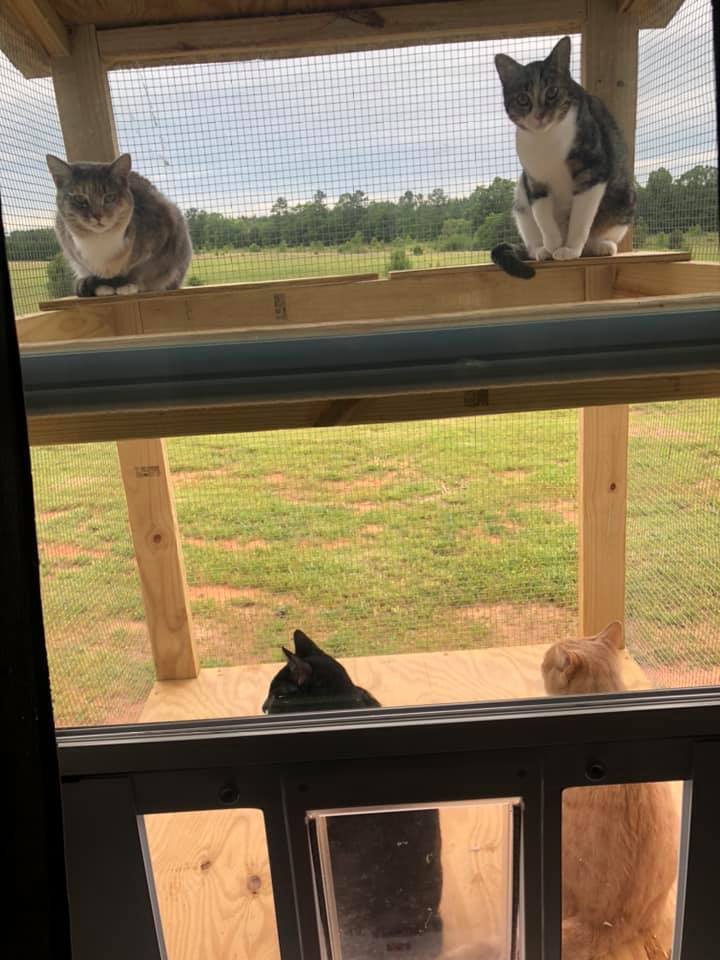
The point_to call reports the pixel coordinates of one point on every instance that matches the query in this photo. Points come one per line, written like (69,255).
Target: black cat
(387,867)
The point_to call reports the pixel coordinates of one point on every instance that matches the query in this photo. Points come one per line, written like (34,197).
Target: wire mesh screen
(676,160)
(673,538)
(98,649)
(338,164)
(29,129)
(401,538)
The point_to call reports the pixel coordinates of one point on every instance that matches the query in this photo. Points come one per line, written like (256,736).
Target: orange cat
(619,855)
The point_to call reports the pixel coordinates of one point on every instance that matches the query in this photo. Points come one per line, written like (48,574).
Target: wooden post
(86,118)
(609,70)
(603,439)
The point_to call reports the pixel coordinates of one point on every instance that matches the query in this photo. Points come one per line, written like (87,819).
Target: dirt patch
(224,594)
(362,483)
(371,530)
(566,508)
(338,544)
(480,533)
(43,516)
(276,479)
(193,476)
(513,475)
(72,551)
(522,623)
(231,545)
(364,506)
(656,431)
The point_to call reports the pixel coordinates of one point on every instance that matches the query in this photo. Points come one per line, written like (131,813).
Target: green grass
(401,537)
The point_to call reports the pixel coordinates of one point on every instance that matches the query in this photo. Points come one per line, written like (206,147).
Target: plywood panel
(211,869)
(655,279)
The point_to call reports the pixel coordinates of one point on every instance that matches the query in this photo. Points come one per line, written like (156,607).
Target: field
(29,278)
(405,537)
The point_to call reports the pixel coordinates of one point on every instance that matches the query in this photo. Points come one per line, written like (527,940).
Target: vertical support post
(88,126)
(153,522)
(610,71)
(603,438)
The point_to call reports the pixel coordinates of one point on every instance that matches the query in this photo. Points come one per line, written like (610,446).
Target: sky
(234,137)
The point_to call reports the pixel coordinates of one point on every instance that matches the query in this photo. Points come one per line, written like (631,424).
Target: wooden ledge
(635,256)
(465,270)
(66,303)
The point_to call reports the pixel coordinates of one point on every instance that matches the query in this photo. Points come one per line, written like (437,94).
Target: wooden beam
(83,100)
(44,25)
(650,13)
(21,49)
(88,126)
(610,70)
(301,35)
(603,505)
(153,522)
(248,418)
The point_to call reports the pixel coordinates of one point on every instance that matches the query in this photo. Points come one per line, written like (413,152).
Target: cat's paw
(127,289)
(566,253)
(601,248)
(104,291)
(542,253)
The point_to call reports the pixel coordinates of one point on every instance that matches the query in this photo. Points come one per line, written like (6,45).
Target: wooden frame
(184,33)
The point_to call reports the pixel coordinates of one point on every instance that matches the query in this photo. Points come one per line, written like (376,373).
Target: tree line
(666,204)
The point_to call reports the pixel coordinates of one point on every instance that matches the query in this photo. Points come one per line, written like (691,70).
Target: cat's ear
(612,635)
(509,70)
(560,55)
(121,166)
(59,170)
(567,661)
(299,669)
(304,646)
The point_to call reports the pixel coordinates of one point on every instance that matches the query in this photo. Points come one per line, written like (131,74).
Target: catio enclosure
(345,170)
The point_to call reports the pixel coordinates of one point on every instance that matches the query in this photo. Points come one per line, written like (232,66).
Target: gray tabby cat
(575,196)
(118,233)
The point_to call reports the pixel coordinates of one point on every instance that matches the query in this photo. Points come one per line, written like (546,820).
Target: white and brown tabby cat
(619,856)
(575,196)
(119,234)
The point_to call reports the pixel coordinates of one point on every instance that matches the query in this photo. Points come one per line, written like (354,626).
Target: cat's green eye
(110,197)
(79,201)
(522,100)
(551,93)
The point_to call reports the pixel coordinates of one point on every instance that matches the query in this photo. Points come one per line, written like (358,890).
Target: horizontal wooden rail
(241,418)
(325,301)
(339,31)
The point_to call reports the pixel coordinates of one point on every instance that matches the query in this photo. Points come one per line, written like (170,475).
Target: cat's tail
(510,258)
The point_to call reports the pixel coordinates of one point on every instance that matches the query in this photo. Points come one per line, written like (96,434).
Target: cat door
(416,882)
